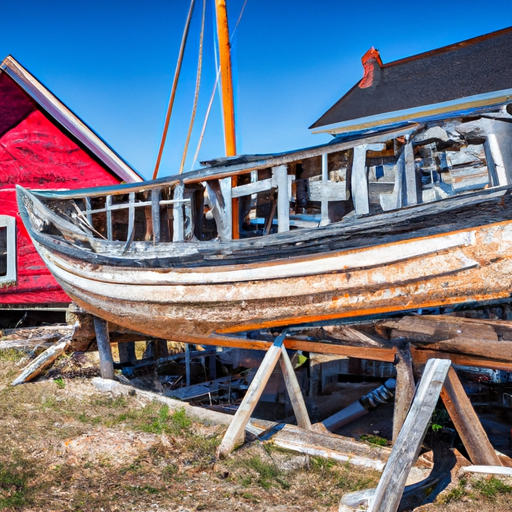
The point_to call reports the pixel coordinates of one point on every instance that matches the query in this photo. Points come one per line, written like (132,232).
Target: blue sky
(112,63)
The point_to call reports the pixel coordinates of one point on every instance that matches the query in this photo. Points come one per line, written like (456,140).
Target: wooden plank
(405,387)
(254,188)
(178,234)
(294,391)
(396,199)
(131,221)
(324,200)
(203,389)
(467,423)
(219,195)
(42,361)
(155,213)
(411,179)
(256,388)
(327,445)
(104,349)
(360,177)
(408,444)
(326,191)
(495,163)
(360,181)
(420,357)
(108,206)
(88,210)
(283,198)
(488,470)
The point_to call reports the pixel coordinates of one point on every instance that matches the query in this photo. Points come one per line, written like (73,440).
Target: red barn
(42,145)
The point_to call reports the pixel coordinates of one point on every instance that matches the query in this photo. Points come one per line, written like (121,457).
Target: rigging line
(174,87)
(196,94)
(203,129)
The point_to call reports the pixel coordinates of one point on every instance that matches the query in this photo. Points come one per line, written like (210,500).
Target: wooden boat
(390,221)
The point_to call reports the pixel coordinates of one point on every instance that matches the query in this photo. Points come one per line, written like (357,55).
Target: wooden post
(283,198)
(243,414)
(178,234)
(405,387)
(108,208)
(325,202)
(411,181)
(187,364)
(219,195)
(360,177)
(104,350)
(466,422)
(155,214)
(407,446)
(294,391)
(131,220)
(88,209)
(127,353)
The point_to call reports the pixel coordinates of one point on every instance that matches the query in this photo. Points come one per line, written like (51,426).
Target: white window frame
(10,223)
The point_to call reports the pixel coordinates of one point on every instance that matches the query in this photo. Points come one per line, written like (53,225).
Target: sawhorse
(277,352)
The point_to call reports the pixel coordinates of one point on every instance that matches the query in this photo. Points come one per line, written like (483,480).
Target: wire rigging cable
(208,110)
(174,87)
(196,94)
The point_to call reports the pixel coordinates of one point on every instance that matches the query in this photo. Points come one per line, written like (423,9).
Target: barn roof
(64,117)
(472,73)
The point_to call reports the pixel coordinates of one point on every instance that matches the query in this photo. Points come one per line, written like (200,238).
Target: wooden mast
(228,106)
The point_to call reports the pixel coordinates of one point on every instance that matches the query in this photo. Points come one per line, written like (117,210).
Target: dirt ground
(67,447)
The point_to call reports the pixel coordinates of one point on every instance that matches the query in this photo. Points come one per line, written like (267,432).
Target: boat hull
(471,265)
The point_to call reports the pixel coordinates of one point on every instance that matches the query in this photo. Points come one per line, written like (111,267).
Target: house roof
(64,117)
(476,69)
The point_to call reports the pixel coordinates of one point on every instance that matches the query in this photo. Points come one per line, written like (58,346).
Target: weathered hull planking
(466,266)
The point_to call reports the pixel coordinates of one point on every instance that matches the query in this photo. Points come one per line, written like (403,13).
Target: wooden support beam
(108,208)
(325,202)
(155,214)
(131,221)
(88,209)
(420,357)
(405,387)
(466,422)
(237,427)
(219,197)
(104,349)
(283,198)
(187,364)
(360,177)
(127,353)
(407,446)
(294,391)
(411,180)
(178,233)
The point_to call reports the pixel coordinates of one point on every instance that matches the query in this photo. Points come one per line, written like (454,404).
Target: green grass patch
(11,355)
(60,382)
(379,441)
(268,474)
(492,487)
(14,489)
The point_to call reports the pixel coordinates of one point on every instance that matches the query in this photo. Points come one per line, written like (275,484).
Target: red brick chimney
(372,65)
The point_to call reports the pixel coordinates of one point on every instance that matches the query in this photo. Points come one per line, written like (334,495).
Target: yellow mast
(228,106)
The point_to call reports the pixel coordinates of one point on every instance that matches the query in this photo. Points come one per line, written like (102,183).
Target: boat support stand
(235,433)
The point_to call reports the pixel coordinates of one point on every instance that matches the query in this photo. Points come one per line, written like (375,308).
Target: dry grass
(66,446)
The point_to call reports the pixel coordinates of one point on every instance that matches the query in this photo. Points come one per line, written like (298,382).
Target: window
(7,249)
